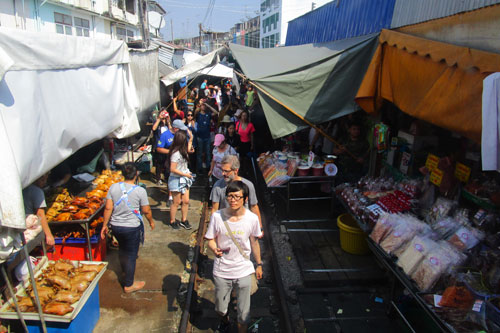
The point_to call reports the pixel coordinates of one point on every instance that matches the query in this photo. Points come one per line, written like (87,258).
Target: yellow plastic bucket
(352,238)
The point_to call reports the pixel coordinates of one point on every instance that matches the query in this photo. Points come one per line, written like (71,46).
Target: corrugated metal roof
(340,20)
(408,12)
(165,51)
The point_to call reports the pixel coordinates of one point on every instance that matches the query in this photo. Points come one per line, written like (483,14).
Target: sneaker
(175,225)
(223,327)
(186,225)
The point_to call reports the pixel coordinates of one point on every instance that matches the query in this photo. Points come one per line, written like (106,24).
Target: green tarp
(318,81)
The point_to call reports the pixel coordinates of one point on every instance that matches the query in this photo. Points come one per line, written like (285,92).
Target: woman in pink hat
(221,149)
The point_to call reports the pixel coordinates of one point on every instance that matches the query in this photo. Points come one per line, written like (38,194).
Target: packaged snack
(466,238)
(441,208)
(383,227)
(457,297)
(406,229)
(445,227)
(443,259)
(414,253)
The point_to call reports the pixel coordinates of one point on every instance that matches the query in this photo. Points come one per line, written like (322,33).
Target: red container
(317,171)
(79,251)
(303,171)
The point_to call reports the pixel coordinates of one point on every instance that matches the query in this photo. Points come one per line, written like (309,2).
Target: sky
(187,14)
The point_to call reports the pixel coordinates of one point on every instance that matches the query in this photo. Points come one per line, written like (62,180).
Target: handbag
(254,284)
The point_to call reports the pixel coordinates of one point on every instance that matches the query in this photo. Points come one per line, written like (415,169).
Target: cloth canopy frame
(317,81)
(57,94)
(446,89)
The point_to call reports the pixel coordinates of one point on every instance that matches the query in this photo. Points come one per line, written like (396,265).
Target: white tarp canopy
(207,64)
(57,94)
(218,70)
(144,67)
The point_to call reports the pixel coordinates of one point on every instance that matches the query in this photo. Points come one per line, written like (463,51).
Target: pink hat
(218,139)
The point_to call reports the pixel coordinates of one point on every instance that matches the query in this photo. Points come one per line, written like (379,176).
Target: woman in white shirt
(221,149)
(180,179)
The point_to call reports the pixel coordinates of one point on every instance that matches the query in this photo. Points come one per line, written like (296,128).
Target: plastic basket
(352,238)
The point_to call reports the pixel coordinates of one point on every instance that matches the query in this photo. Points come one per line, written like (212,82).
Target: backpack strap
(124,198)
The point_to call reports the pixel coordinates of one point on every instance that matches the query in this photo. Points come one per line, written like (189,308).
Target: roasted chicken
(57,308)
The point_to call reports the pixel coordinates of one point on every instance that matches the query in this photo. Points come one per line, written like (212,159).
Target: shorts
(176,185)
(223,288)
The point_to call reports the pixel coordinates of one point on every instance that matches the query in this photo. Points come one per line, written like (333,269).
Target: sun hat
(226,119)
(177,123)
(218,139)
(238,112)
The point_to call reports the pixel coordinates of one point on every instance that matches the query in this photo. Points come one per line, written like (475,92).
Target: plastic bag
(443,259)
(444,228)
(466,238)
(407,228)
(385,224)
(457,297)
(441,208)
(414,253)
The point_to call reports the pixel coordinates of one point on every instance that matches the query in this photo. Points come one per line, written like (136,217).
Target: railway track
(269,309)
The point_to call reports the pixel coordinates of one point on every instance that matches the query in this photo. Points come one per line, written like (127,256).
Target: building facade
(247,33)
(275,15)
(105,19)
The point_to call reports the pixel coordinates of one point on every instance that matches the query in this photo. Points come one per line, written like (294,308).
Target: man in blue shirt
(202,123)
(167,137)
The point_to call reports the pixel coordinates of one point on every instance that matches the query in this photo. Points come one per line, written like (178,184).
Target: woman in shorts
(180,179)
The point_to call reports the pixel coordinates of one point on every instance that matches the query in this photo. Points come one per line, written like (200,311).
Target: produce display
(60,286)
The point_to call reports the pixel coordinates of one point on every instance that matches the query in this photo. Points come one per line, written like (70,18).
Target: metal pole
(89,256)
(13,296)
(35,291)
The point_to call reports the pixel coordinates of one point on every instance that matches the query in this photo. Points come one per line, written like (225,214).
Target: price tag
(432,162)
(462,172)
(436,177)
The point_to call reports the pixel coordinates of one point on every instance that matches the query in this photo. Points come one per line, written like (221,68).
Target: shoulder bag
(254,285)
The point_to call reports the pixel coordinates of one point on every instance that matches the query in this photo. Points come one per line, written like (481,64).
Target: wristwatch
(259,264)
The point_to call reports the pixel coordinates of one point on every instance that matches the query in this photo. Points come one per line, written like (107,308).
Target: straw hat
(226,119)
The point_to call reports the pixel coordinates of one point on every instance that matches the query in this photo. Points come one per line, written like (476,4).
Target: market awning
(433,81)
(57,94)
(317,81)
(193,67)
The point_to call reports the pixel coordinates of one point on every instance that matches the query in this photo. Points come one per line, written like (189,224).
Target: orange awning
(433,81)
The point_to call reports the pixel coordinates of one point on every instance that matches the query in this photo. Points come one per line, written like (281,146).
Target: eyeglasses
(234,197)
(226,171)
(190,115)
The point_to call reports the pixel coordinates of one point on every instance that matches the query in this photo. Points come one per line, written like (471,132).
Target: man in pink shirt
(231,268)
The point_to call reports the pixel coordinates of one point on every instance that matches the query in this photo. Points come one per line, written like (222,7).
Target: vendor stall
(430,213)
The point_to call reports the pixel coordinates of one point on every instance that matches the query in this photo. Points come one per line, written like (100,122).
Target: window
(277,38)
(276,19)
(272,22)
(130,6)
(63,24)
(124,34)
(82,27)
(271,41)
